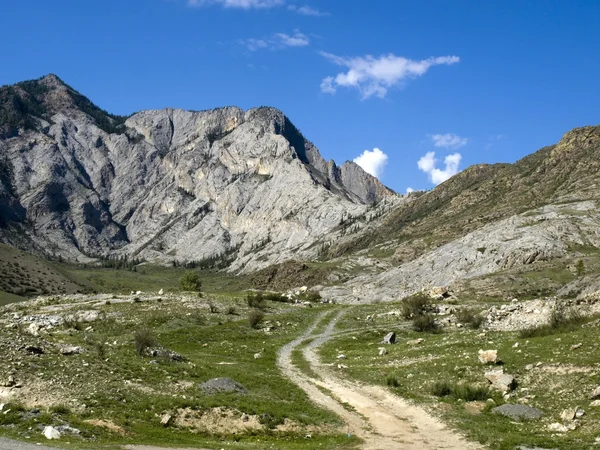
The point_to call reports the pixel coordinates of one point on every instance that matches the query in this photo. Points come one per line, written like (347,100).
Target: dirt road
(382,420)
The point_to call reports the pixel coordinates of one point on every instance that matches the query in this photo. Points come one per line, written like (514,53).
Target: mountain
(220,187)
(537,215)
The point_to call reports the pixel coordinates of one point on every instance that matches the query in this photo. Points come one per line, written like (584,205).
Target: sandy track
(382,420)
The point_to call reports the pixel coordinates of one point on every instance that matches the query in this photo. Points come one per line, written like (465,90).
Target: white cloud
(307,11)
(428,164)
(276,41)
(372,161)
(240,4)
(409,190)
(374,76)
(448,140)
(296,40)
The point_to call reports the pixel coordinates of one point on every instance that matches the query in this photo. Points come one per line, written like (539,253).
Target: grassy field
(550,374)
(110,382)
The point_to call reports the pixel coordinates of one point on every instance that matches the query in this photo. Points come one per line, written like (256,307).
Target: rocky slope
(219,187)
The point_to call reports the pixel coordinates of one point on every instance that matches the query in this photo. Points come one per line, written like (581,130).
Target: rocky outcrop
(221,187)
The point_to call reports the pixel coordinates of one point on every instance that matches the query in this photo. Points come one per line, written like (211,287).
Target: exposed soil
(380,419)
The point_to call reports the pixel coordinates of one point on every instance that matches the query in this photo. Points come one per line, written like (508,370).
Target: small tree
(190,281)
(580,268)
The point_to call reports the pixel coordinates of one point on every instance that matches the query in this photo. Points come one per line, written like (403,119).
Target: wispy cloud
(276,42)
(448,140)
(306,10)
(372,161)
(409,190)
(375,76)
(239,4)
(491,140)
(429,162)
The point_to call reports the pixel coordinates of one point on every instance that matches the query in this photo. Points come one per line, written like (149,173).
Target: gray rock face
(390,338)
(536,236)
(228,186)
(518,412)
(223,386)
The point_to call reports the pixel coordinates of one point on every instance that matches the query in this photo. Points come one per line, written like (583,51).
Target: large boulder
(518,412)
(500,381)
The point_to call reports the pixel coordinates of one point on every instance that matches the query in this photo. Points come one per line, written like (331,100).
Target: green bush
(425,323)
(256,300)
(580,268)
(255,317)
(392,381)
(190,281)
(231,311)
(415,305)
(143,340)
(441,388)
(459,391)
(469,317)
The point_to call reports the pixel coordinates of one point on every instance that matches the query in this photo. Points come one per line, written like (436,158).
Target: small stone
(342,366)
(390,338)
(161,292)
(341,356)
(568,414)
(579,413)
(258,355)
(68,350)
(576,346)
(595,393)
(516,344)
(415,341)
(488,356)
(382,351)
(500,381)
(166,419)
(560,428)
(594,404)
(51,433)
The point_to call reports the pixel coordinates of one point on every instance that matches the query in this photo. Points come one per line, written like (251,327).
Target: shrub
(425,323)
(143,340)
(415,305)
(255,317)
(469,392)
(190,281)
(231,311)
(392,381)
(312,296)
(469,317)
(441,388)
(459,391)
(256,300)
(63,410)
(580,268)
(71,322)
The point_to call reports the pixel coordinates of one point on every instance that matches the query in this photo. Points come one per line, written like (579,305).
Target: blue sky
(434,85)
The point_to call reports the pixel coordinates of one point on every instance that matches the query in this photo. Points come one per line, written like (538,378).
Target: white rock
(382,351)
(488,356)
(161,292)
(51,433)
(340,356)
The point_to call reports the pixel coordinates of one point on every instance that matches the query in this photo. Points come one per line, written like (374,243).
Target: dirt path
(383,420)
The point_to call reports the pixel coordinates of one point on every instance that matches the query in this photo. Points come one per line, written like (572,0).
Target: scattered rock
(161,292)
(500,381)
(382,351)
(474,408)
(342,366)
(166,420)
(415,341)
(488,356)
(258,355)
(518,412)
(595,393)
(438,293)
(576,346)
(51,433)
(594,404)
(341,356)
(568,414)
(560,428)
(390,338)
(223,385)
(70,350)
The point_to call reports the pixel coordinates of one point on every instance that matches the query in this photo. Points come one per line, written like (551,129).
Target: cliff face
(242,187)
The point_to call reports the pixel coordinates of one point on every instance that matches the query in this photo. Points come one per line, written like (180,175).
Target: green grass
(563,378)
(6,298)
(128,389)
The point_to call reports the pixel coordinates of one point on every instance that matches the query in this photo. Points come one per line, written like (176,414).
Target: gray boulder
(223,386)
(518,412)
